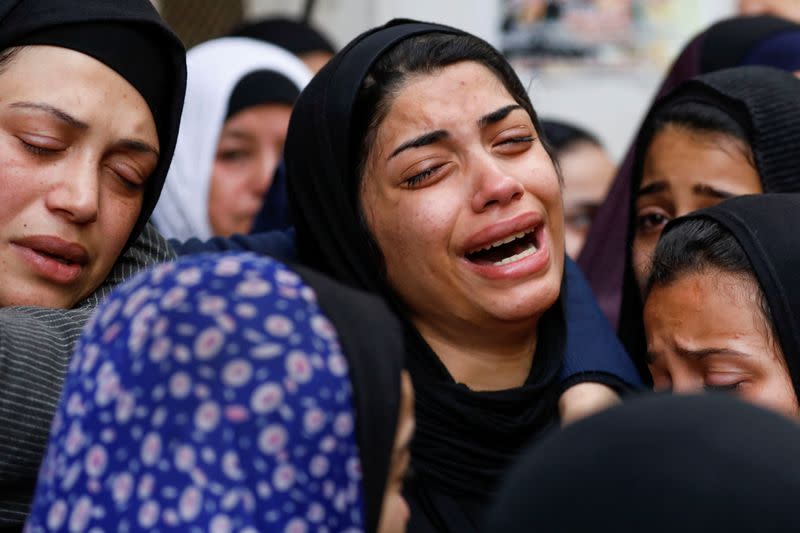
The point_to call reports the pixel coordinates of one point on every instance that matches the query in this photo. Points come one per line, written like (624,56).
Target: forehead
(677,154)
(79,85)
(711,303)
(262,119)
(457,94)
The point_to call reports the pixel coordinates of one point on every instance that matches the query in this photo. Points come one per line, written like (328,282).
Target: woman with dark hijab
(230,393)
(92,96)
(587,170)
(724,134)
(476,273)
(239,97)
(763,40)
(659,464)
(735,265)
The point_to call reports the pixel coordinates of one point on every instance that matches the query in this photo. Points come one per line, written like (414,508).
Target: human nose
(266,175)
(494,186)
(76,195)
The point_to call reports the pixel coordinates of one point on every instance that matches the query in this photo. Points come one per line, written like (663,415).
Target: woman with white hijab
(239,97)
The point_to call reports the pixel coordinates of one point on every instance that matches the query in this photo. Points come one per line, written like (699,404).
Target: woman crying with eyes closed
(90,100)
(721,305)
(416,171)
(89,109)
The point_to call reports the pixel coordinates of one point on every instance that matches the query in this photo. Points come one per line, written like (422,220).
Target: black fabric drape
(464,439)
(296,36)
(659,464)
(156,67)
(765,102)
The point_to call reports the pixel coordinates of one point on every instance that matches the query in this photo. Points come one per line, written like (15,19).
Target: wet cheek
(414,231)
(775,391)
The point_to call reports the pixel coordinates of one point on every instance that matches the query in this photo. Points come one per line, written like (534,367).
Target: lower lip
(525,267)
(49,268)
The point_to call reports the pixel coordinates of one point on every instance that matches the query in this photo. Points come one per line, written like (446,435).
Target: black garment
(464,439)
(293,35)
(730,43)
(660,464)
(129,37)
(764,226)
(764,102)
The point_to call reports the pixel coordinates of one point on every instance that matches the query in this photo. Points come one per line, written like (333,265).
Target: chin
(526,302)
(34,295)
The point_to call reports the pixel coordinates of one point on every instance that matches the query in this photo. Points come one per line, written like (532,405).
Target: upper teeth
(495,244)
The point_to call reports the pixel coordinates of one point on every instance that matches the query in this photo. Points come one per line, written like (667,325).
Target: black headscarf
(659,464)
(129,37)
(261,87)
(764,102)
(464,439)
(727,44)
(296,36)
(764,226)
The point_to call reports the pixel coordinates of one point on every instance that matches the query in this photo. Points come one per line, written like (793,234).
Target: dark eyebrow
(55,112)
(422,140)
(138,146)
(496,116)
(708,190)
(237,134)
(653,188)
(698,355)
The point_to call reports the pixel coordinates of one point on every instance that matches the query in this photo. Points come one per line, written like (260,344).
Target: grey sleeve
(35,347)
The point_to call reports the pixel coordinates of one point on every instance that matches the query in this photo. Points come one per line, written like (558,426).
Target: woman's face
(685,171)
(706,331)
(465,203)
(394,511)
(77,145)
(249,151)
(588,170)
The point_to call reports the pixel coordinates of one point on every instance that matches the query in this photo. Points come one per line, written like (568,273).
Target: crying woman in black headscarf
(91,98)
(415,171)
(722,304)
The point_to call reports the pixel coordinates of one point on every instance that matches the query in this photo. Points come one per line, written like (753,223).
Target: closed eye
(37,150)
(722,388)
(516,140)
(422,177)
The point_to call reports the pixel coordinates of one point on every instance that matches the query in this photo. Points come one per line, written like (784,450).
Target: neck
(496,359)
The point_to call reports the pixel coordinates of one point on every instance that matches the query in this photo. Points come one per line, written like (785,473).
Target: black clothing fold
(659,464)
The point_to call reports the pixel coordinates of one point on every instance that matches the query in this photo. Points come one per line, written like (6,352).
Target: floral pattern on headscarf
(208,394)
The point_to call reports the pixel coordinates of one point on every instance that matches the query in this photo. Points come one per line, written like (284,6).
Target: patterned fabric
(35,348)
(208,394)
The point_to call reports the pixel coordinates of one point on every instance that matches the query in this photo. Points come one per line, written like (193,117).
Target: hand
(585,399)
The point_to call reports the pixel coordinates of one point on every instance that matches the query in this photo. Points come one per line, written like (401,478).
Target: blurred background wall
(608,96)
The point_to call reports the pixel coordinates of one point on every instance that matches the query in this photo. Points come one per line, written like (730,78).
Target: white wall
(344,19)
(609,104)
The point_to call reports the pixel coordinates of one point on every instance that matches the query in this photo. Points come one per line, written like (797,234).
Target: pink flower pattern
(210,394)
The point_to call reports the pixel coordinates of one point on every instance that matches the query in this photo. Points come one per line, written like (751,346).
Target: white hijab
(214,68)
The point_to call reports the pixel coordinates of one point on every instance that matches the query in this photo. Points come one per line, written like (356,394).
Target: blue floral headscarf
(208,394)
